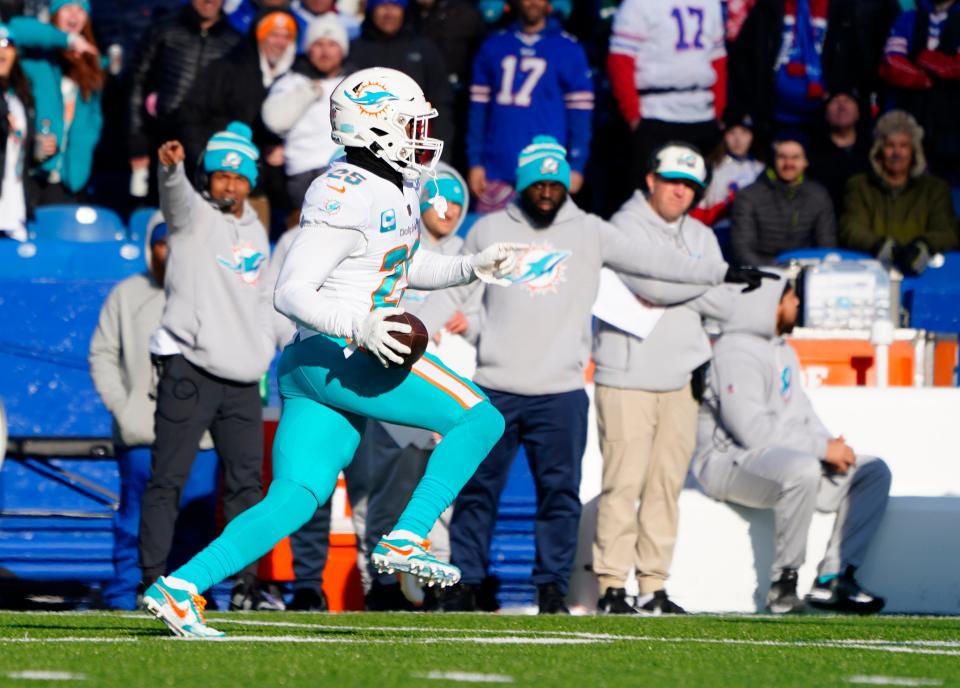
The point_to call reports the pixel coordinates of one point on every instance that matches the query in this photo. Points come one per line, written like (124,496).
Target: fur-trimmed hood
(893,122)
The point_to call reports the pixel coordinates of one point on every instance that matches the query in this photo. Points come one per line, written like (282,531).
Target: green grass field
(264,649)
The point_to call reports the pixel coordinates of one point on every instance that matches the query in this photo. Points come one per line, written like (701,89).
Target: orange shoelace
(426,545)
(200,602)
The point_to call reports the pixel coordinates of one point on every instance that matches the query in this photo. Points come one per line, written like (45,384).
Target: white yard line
(32,675)
(464,677)
(312,639)
(93,639)
(894,681)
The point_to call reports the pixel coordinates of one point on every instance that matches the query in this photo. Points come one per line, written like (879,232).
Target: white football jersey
(673,45)
(350,197)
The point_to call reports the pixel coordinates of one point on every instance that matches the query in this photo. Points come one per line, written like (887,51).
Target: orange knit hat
(276,20)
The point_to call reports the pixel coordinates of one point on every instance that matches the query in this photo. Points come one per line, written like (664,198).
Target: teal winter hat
(232,150)
(57,4)
(543,160)
(447,187)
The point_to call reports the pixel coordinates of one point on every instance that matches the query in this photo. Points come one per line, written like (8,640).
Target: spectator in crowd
(792,52)
(33,33)
(457,29)
(67,89)
(529,79)
(734,167)
(234,87)
(16,130)
(396,454)
(646,413)
(307,10)
(782,210)
(215,341)
(839,152)
(297,107)
(170,59)
(668,73)
(896,211)
(122,373)
(760,444)
(922,63)
(538,387)
(242,13)
(388,39)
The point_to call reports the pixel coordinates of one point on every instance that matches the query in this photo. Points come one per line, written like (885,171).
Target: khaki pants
(647,440)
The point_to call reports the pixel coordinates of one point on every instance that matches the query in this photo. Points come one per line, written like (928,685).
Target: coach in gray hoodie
(760,444)
(533,345)
(121,372)
(646,413)
(215,341)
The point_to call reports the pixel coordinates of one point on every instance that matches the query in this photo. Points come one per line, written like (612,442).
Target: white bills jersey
(673,45)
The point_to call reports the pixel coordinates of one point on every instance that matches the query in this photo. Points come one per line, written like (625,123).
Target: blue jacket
(549,90)
(74,161)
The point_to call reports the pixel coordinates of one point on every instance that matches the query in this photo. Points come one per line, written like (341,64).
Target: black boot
(782,596)
(551,599)
(615,601)
(843,594)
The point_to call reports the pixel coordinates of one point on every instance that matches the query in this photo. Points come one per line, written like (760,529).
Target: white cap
(681,162)
(330,27)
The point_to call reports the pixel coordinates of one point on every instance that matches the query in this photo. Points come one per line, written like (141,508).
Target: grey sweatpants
(394,473)
(794,485)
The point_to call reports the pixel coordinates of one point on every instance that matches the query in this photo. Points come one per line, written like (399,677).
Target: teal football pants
(329,390)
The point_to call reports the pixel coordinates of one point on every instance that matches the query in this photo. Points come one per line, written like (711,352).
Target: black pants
(653,133)
(190,401)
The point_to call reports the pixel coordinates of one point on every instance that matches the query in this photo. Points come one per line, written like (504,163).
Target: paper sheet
(618,306)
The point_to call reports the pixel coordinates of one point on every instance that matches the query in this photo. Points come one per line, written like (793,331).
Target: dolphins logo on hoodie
(540,269)
(246,262)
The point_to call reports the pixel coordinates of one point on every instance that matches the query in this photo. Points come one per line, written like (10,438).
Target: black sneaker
(308,600)
(461,597)
(843,594)
(659,604)
(782,596)
(615,601)
(269,598)
(551,600)
(386,597)
(243,596)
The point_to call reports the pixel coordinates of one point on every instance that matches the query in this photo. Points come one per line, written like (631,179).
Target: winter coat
(74,162)
(770,217)
(873,210)
(457,28)
(172,56)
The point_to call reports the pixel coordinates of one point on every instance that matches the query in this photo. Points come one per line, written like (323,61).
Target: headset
(654,161)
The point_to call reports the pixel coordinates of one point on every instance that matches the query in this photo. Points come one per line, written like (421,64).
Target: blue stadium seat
(46,259)
(82,223)
(933,298)
(137,227)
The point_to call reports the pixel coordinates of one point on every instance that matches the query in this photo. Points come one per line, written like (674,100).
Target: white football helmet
(385,110)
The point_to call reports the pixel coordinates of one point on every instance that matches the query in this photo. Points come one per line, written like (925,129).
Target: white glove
(373,334)
(495,262)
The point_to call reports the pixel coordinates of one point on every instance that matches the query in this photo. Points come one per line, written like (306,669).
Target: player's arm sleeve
(578,100)
(178,200)
(625,41)
(317,250)
(104,356)
(441,305)
(481,91)
(745,413)
(429,270)
(657,262)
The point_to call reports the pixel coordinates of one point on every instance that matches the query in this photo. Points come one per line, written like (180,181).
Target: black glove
(749,276)
(884,250)
(913,258)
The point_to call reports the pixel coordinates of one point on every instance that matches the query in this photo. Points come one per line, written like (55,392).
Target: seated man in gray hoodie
(533,346)
(646,413)
(760,444)
(215,341)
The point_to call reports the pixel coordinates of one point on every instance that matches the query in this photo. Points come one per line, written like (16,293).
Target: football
(416,339)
